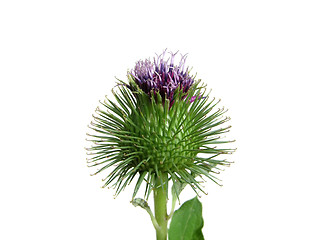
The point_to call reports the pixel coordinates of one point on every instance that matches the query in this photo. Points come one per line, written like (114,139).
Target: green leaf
(187,222)
(198,235)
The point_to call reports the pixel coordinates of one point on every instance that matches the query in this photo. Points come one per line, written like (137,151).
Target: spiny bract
(161,122)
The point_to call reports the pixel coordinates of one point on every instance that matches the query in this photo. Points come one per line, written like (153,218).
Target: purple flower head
(162,76)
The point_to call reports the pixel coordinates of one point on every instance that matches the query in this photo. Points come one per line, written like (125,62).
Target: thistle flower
(161,126)
(162,76)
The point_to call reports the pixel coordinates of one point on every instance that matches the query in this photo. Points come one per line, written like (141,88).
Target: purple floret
(162,76)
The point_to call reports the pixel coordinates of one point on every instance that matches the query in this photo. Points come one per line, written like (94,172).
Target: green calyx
(145,137)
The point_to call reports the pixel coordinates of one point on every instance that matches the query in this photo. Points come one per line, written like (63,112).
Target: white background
(59,58)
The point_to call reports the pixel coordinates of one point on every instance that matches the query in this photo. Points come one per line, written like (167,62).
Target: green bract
(142,137)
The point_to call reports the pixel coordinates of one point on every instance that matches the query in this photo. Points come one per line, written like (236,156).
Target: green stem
(153,219)
(160,200)
(173,206)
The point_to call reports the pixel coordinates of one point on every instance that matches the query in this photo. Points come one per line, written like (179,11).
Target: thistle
(161,127)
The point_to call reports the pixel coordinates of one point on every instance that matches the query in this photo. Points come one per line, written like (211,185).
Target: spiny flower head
(157,126)
(162,76)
